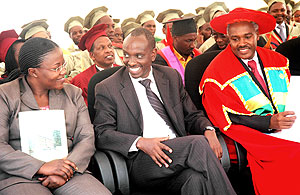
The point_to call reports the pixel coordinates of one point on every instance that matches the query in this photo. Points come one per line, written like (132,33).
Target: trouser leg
(26,189)
(189,152)
(82,184)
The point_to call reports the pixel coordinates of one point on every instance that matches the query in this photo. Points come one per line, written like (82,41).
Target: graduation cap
(87,40)
(183,26)
(33,27)
(145,17)
(73,21)
(168,15)
(296,7)
(127,29)
(200,10)
(116,21)
(97,13)
(212,9)
(127,21)
(271,2)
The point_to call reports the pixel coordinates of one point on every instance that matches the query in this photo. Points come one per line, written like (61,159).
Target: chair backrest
(98,77)
(194,71)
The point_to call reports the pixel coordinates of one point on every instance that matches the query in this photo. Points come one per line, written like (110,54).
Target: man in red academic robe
(101,52)
(244,90)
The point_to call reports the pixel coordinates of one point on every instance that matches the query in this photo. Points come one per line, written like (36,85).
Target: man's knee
(193,181)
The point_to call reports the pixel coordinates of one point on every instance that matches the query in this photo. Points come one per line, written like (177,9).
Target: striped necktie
(156,103)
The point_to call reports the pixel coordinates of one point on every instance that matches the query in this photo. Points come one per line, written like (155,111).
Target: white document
(292,104)
(43,134)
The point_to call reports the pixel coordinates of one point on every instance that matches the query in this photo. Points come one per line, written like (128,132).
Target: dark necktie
(156,103)
(253,66)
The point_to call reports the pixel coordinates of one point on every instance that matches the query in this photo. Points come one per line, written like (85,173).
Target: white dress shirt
(255,58)
(153,124)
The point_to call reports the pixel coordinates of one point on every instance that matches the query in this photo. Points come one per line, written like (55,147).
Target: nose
(192,45)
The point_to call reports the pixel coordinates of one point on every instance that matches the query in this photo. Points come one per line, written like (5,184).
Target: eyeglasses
(58,69)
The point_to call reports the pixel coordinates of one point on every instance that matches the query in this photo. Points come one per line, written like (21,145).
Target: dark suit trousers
(195,169)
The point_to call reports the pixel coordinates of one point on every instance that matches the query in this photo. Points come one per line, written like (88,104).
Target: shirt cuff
(133,147)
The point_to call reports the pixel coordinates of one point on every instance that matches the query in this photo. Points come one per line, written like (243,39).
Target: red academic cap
(265,21)
(88,38)
(7,38)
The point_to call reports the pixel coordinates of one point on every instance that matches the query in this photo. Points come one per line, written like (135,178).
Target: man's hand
(59,167)
(214,143)
(282,120)
(52,181)
(154,148)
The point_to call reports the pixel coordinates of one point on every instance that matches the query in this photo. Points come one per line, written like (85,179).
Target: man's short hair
(142,31)
(255,26)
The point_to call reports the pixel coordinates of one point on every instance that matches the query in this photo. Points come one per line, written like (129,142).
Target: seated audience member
(101,52)
(74,28)
(41,87)
(183,49)
(10,46)
(244,90)
(222,41)
(212,11)
(144,113)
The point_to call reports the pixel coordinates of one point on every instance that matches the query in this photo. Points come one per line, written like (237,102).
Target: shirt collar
(282,24)
(150,76)
(255,58)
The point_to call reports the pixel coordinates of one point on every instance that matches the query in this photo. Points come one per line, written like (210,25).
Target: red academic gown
(274,162)
(82,80)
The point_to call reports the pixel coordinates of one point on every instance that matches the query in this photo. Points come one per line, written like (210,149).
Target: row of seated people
(120,125)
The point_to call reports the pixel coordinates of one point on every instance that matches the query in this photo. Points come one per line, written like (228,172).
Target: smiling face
(138,56)
(48,77)
(102,52)
(243,39)
(278,11)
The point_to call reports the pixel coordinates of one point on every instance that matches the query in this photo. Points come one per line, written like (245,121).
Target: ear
(153,54)
(92,56)
(32,72)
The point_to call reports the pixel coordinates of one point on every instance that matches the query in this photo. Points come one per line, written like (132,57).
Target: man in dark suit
(153,138)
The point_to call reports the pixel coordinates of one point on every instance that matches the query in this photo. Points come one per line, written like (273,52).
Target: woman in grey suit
(40,85)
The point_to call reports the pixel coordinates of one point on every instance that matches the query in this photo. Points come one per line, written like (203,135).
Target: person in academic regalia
(74,27)
(10,47)
(164,17)
(244,91)
(213,10)
(282,31)
(101,52)
(177,55)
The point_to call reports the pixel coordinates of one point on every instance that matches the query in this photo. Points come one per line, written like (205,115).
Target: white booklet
(43,134)
(292,104)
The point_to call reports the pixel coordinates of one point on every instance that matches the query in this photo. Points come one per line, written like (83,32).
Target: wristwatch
(210,128)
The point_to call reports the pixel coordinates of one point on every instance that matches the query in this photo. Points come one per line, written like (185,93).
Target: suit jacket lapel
(130,98)
(163,85)
(26,95)
(55,99)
